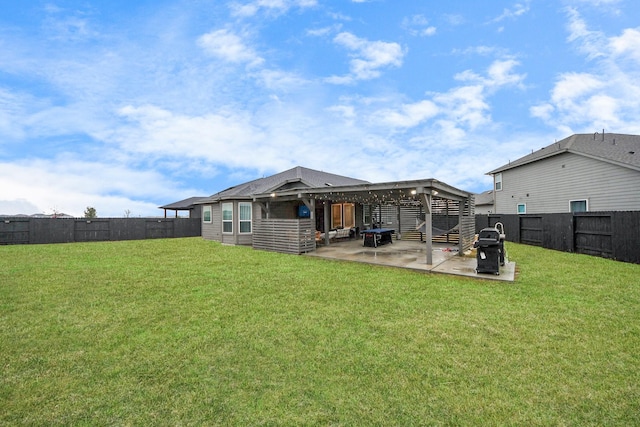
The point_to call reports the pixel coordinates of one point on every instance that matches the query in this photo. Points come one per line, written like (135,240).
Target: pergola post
(462,204)
(426,202)
(327,220)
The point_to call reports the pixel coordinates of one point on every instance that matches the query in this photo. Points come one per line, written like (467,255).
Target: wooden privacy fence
(292,236)
(25,230)
(614,235)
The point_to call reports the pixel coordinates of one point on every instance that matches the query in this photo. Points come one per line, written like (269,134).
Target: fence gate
(593,235)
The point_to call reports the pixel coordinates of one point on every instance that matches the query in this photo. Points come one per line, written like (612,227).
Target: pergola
(389,193)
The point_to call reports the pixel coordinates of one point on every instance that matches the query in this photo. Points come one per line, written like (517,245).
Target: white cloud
(627,44)
(592,43)
(324,31)
(344,111)
(408,115)
(17,207)
(572,86)
(518,10)
(465,106)
(368,57)
(452,115)
(418,25)
(221,137)
(69,184)
(229,47)
(282,81)
(606,96)
(500,73)
(276,7)
(480,50)
(454,19)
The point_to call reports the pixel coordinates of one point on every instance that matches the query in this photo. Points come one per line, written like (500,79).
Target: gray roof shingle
(620,149)
(297,177)
(484,198)
(183,204)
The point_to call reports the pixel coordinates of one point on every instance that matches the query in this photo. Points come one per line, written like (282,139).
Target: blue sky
(129,105)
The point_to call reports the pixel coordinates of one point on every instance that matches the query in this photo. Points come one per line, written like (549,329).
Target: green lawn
(190,332)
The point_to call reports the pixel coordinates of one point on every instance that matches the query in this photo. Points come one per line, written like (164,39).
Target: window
(349,212)
(245,217)
(343,215)
(336,216)
(227,217)
(498,181)
(578,206)
(206,214)
(366,214)
(522,208)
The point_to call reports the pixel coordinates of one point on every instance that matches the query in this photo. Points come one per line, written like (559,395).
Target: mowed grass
(190,332)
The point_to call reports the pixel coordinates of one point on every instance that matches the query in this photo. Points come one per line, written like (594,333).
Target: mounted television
(304,212)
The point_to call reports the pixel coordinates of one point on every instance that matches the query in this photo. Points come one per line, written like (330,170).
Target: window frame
(336,209)
(524,211)
(351,218)
(586,205)
(497,181)
(225,208)
(366,214)
(245,221)
(207,219)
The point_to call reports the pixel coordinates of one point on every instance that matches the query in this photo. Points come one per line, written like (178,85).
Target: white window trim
(207,208)
(518,210)
(223,220)
(586,201)
(497,179)
(250,220)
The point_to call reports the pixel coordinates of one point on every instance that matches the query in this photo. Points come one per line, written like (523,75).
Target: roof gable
(620,149)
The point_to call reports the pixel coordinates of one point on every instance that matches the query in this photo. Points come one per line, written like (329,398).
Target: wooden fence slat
(17,230)
(613,235)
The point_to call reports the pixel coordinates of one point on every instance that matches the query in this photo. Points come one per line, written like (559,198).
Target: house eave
(517,164)
(382,192)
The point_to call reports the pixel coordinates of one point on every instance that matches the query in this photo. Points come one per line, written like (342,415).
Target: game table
(377,236)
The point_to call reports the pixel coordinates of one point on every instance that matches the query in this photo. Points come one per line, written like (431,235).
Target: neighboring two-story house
(581,173)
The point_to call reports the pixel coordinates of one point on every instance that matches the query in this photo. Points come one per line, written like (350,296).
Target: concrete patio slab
(412,255)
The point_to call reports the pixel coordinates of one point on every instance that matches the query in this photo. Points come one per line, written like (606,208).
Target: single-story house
(484,203)
(584,172)
(294,210)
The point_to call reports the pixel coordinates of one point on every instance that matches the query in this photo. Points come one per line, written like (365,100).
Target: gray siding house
(584,172)
(294,210)
(228,216)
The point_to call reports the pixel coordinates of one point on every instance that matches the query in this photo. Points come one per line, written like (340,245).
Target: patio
(411,255)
